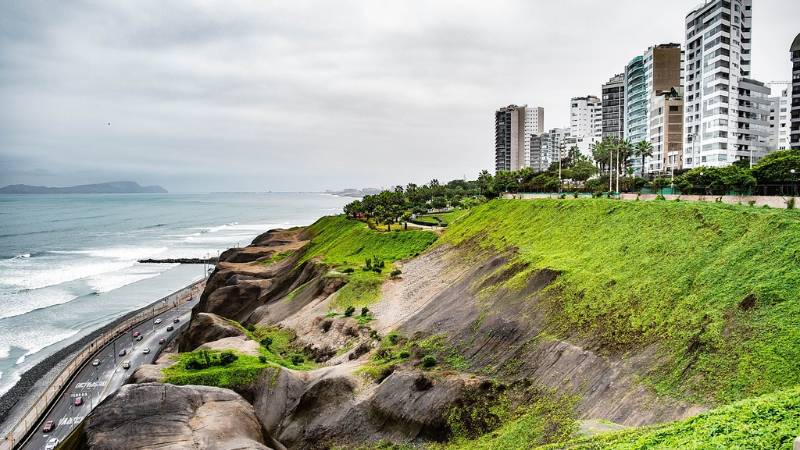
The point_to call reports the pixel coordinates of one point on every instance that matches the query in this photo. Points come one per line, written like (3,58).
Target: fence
(52,393)
(757,200)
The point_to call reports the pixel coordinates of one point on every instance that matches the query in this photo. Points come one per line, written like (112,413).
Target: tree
(354,208)
(660,183)
(583,170)
(485,180)
(740,181)
(777,167)
(644,149)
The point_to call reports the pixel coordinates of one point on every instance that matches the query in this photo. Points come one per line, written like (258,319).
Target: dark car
(136,334)
(176,320)
(170,328)
(123,352)
(139,338)
(78,401)
(49,426)
(161,341)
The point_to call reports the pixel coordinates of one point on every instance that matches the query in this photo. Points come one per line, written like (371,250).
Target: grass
(243,372)
(362,289)
(768,422)
(340,241)
(715,285)
(276,257)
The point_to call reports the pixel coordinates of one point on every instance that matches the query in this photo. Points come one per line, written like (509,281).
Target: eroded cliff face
(458,296)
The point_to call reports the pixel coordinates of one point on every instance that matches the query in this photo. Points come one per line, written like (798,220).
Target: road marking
(70,420)
(91,385)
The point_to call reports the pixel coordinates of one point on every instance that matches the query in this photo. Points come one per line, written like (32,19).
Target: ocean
(68,263)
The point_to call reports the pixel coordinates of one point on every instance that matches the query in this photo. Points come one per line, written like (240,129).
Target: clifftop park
(581,324)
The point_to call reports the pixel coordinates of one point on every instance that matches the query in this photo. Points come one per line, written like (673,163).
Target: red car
(49,426)
(78,401)
(136,334)
(176,320)
(123,352)
(161,341)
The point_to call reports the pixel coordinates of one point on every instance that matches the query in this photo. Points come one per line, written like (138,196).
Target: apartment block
(586,123)
(779,123)
(794,133)
(666,133)
(513,127)
(613,107)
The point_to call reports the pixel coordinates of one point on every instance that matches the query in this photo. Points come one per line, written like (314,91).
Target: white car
(146,350)
(51,444)
(126,365)
(157,321)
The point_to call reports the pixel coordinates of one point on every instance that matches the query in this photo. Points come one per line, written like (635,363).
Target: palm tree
(645,150)
(624,150)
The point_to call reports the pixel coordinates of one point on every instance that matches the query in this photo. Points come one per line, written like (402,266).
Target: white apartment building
(779,113)
(726,113)
(534,125)
(585,123)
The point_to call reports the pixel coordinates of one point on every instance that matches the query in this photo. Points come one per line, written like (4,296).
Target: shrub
(790,203)
(251,328)
(348,270)
(428,361)
(374,334)
(262,359)
(562,196)
(751,202)
(376,269)
(349,311)
(660,197)
(297,359)
(266,342)
(405,354)
(227,357)
(395,273)
(364,311)
(576,194)
(392,337)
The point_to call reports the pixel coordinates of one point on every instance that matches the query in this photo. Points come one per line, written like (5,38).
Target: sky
(256,96)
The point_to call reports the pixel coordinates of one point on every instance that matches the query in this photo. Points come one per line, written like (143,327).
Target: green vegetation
(277,257)
(243,371)
(768,422)
(362,289)
(716,286)
(338,240)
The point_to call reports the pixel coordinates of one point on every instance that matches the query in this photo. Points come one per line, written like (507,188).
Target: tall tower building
(779,124)
(726,112)
(586,123)
(794,137)
(614,107)
(513,127)
(656,72)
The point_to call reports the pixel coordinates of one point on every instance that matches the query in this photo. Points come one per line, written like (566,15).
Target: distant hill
(113,187)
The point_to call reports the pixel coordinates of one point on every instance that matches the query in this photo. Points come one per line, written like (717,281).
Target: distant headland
(113,187)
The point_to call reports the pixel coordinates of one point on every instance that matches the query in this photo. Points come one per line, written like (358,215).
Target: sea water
(68,263)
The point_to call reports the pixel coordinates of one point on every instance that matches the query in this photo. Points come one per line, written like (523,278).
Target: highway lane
(96,382)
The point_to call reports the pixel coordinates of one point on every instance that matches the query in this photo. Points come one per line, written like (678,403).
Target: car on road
(51,444)
(78,401)
(161,341)
(146,350)
(49,426)
(170,328)
(157,321)
(96,362)
(176,320)
(123,352)
(137,334)
(139,338)
(126,365)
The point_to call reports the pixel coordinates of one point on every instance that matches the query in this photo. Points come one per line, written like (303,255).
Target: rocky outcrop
(174,417)
(206,327)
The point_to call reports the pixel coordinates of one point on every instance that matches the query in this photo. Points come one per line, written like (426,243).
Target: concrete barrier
(43,403)
(758,200)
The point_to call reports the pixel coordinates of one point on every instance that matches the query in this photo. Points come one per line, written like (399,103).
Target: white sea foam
(110,282)
(57,272)
(124,253)
(22,302)
(35,339)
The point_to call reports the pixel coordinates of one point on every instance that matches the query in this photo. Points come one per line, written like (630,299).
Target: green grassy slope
(715,285)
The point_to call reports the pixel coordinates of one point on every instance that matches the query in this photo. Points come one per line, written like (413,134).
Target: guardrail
(45,400)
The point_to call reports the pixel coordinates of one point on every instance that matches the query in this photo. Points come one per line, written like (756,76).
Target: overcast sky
(309,95)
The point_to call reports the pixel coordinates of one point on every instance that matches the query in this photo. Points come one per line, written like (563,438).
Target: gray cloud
(307,95)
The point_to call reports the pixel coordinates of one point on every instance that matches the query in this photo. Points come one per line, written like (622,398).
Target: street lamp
(792,172)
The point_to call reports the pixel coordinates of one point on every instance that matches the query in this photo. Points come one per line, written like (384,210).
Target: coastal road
(95,383)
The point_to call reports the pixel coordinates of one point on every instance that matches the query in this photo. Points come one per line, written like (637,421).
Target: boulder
(206,327)
(174,417)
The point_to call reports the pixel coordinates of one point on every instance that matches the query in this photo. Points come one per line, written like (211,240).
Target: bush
(576,194)
(395,273)
(405,354)
(428,361)
(266,342)
(751,202)
(392,337)
(297,359)
(790,203)
(348,270)
(364,311)
(349,311)
(251,328)
(262,359)
(376,269)
(227,357)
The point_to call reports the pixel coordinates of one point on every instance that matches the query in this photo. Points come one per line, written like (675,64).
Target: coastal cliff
(524,314)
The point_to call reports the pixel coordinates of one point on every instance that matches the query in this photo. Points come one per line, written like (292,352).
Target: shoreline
(33,382)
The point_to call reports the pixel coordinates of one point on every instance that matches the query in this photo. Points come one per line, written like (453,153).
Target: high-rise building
(534,124)
(614,107)
(551,141)
(513,127)
(537,161)
(656,72)
(726,113)
(586,123)
(794,136)
(666,133)
(779,123)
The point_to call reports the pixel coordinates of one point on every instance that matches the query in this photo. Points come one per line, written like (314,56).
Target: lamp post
(701,183)
(560,146)
(792,172)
